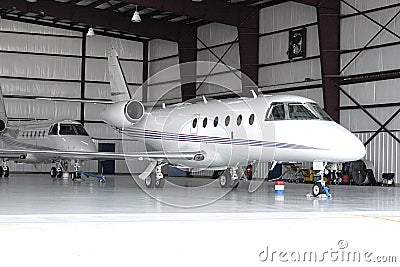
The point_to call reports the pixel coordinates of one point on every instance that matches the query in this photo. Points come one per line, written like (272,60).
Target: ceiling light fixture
(136,16)
(31,1)
(90,32)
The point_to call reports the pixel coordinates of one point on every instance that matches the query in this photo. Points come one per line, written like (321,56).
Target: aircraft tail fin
(3,114)
(119,87)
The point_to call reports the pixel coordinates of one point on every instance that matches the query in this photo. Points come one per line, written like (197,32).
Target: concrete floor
(200,226)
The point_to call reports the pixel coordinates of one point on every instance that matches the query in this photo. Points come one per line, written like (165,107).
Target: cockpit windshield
(67,129)
(299,111)
(296,111)
(320,112)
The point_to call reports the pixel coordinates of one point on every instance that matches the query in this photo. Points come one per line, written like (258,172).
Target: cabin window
(239,120)
(54,130)
(227,120)
(216,121)
(31,134)
(194,123)
(43,133)
(324,116)
(276,112)
(204,122)
(298,111)
(251,119)
(35,134)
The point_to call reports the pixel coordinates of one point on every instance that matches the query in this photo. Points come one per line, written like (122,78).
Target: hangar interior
(48,55)
(343,54)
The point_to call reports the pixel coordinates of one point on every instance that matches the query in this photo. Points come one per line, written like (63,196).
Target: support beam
(83,77)
(328,14)
(96,3)
(369,77)
(211,10)
(248,49)
(313,2)
(145,72)
(107,19)
(116,6)
(187,48)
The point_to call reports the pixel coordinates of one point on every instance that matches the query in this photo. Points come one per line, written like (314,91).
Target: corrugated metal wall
(222,41)
(46,62)
(163,76)
(276,71)
(381,55)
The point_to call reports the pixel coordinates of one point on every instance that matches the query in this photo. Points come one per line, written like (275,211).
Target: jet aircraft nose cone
(87,146)
(350,147)
(358,148)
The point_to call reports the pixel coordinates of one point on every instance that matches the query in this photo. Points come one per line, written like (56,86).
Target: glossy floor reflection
(46,222)
(120,195)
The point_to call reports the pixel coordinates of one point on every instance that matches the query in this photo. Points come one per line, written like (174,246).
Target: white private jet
(58,142)
(226,134)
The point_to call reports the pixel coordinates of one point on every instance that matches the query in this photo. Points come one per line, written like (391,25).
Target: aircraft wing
(10,155)
(67,155)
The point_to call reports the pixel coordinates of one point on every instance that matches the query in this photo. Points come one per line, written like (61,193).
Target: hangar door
(108,166)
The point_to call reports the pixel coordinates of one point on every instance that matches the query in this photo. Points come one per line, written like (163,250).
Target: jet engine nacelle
(123,114)
(3,125)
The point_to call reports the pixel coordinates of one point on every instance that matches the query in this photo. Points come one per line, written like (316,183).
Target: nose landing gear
(320,187)
(76,174)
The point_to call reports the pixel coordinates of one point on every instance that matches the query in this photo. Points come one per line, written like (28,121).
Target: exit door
(108,166)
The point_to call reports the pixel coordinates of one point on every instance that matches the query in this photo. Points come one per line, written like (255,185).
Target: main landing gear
(57,170)
(229,178)
(5,170)
(156,178)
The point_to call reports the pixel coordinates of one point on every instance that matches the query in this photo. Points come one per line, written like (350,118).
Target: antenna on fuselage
(253,93)
(205,99)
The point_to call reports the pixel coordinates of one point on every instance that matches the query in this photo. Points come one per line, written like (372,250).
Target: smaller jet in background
(57,142)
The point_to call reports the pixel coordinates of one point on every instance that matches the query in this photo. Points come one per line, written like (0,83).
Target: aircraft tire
(159,183)
(53,172)
(7,172)
(59,174)
(235,183)
(317,189)
(225,179)
(150,180)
